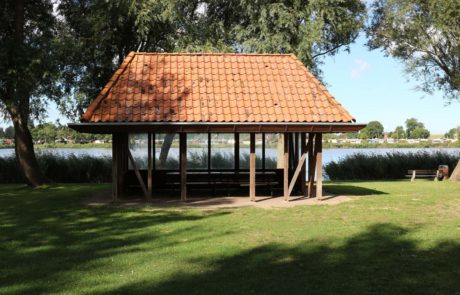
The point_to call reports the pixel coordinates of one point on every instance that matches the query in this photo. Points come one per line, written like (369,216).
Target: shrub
(389,166)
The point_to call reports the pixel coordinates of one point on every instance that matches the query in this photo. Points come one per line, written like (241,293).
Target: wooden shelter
(185,93)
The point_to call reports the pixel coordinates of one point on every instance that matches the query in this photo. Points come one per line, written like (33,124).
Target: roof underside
(214,88)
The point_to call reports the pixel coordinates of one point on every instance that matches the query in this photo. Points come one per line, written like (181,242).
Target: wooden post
(252,167)
(149,165)
(115,165)
(209,152)
(183,166)
(237,152)
(303,172)
(319,165)
(263,152)
(311,165)
(286,167)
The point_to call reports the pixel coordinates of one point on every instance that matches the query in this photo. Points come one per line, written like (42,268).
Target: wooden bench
(425,174)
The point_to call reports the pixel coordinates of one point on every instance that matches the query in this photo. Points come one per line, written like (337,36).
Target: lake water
(328,154)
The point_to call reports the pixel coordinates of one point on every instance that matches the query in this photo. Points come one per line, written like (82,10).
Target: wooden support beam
(286,167)
(263,152)
(138,174)
(319,165)
(303,171)
(183,166)
(149,165)
(252,167)
(209,152)
(311,165)
(115,165)
(296,173)
(236,152)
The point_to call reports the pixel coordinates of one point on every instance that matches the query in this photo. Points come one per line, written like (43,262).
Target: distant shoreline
(326,145)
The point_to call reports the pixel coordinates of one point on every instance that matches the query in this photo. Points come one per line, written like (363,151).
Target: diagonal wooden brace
(138,175)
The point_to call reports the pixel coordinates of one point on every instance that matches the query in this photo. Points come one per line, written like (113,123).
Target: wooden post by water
(149,165)
(286,167)
(319,165)
(303,172)
(252,167)
(311,165)
(183,166)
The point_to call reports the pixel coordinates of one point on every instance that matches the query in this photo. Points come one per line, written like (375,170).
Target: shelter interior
(159,164)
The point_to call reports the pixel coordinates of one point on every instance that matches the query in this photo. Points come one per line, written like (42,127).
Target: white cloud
(360,67)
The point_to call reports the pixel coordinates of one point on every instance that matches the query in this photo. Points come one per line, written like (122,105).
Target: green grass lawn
(397,238)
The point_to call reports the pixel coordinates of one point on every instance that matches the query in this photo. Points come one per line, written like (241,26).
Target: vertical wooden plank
(183,166)
(237,152)
(286,167)
(115,164)
(303,172)
(263,152)
(311,165)
(319,165)
(154,151)
(252,167)
(209,152)
(149,165)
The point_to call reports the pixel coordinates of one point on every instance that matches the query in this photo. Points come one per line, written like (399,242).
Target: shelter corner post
(286,167)
(252,167)
(319,165)
(183,166)
(311,165)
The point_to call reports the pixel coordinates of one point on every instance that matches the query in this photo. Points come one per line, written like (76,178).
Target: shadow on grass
(44,237)
(351,190)
(380,260)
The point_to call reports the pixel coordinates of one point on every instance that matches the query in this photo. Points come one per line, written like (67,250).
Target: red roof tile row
(207,87)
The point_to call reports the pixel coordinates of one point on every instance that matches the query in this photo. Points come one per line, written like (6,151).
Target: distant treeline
(389,166)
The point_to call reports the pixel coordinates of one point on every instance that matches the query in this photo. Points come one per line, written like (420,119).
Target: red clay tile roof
(210,87)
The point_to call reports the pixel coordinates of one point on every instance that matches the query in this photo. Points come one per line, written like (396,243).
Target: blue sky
(374,87)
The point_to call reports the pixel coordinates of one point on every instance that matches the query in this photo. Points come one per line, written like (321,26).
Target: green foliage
(388,166)
(9,132)
(453,133)
(399,133)
(416,129)
(28,64)
(425,35)
(374,129)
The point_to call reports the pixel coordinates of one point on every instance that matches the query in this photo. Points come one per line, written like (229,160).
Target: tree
(2,132)
(28,72)
(374,129)
(416,129)
(425,35)
(453,133)
(9,132)
(399,133)
(420,132)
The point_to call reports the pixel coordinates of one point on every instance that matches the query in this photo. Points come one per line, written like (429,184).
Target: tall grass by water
(389,166)
(96,169)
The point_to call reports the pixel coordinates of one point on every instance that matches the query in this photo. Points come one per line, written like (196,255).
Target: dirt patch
(104,199)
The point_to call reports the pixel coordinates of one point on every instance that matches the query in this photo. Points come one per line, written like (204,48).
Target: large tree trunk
(24,148)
